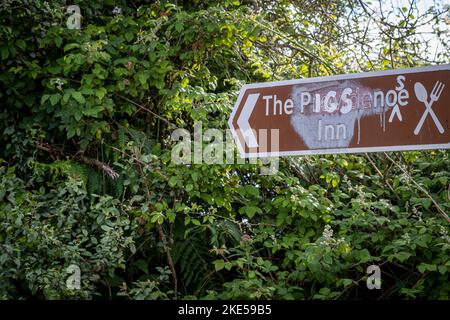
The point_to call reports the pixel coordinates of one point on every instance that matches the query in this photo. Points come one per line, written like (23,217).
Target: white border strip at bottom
(346,150)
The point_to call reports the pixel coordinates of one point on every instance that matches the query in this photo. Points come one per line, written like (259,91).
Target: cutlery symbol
(422,96)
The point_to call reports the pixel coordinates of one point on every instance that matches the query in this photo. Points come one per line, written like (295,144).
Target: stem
(438,207)
(167,250)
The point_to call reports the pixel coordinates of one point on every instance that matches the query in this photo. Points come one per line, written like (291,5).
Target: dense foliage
(86,176)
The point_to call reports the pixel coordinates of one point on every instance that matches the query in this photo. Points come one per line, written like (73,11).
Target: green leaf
(105,227)
(78,96)
(432,267)
(402,256)
(142,265)
(54,98)
(93,111)
(184,82)
(173,181)
(347,282)
(252,191)
(334,182)
(21,44)
(71,46)
(426,267)
(219,265)
(250,210)
(179,26)
(129,36)
(442,269)
(142,77)
(100,93)
(281,218)
(4,52)
(66,97)
(70,132)
(58,41)
(44,98)
(364,255)
(426,203)
(77,115)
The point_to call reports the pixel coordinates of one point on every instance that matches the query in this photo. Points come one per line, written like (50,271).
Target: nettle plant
(87,177)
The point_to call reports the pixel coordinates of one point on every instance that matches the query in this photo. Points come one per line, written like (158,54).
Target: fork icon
(422,96)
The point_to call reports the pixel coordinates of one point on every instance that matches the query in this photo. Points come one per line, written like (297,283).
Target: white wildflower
(117,10)
(327,234)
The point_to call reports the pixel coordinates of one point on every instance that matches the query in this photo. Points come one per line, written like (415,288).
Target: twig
(146,109)
(166,247)
(101,166)
(142,163)
(296,46)
(90,161)
(381,175)
(438,207)
(167,250)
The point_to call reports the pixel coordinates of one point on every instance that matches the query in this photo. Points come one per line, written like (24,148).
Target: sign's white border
(332,78)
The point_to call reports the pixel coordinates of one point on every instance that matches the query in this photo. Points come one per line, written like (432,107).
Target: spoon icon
(421,92)
(422,96)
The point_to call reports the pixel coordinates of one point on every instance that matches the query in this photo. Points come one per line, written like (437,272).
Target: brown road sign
(394,110)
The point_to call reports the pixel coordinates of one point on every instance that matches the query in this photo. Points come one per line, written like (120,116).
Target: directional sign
(404,109)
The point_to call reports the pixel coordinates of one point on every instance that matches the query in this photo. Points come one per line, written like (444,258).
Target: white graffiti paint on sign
(325,115)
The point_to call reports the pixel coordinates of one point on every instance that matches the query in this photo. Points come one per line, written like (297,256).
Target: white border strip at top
(332,78)
(347,150)
(347,76)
